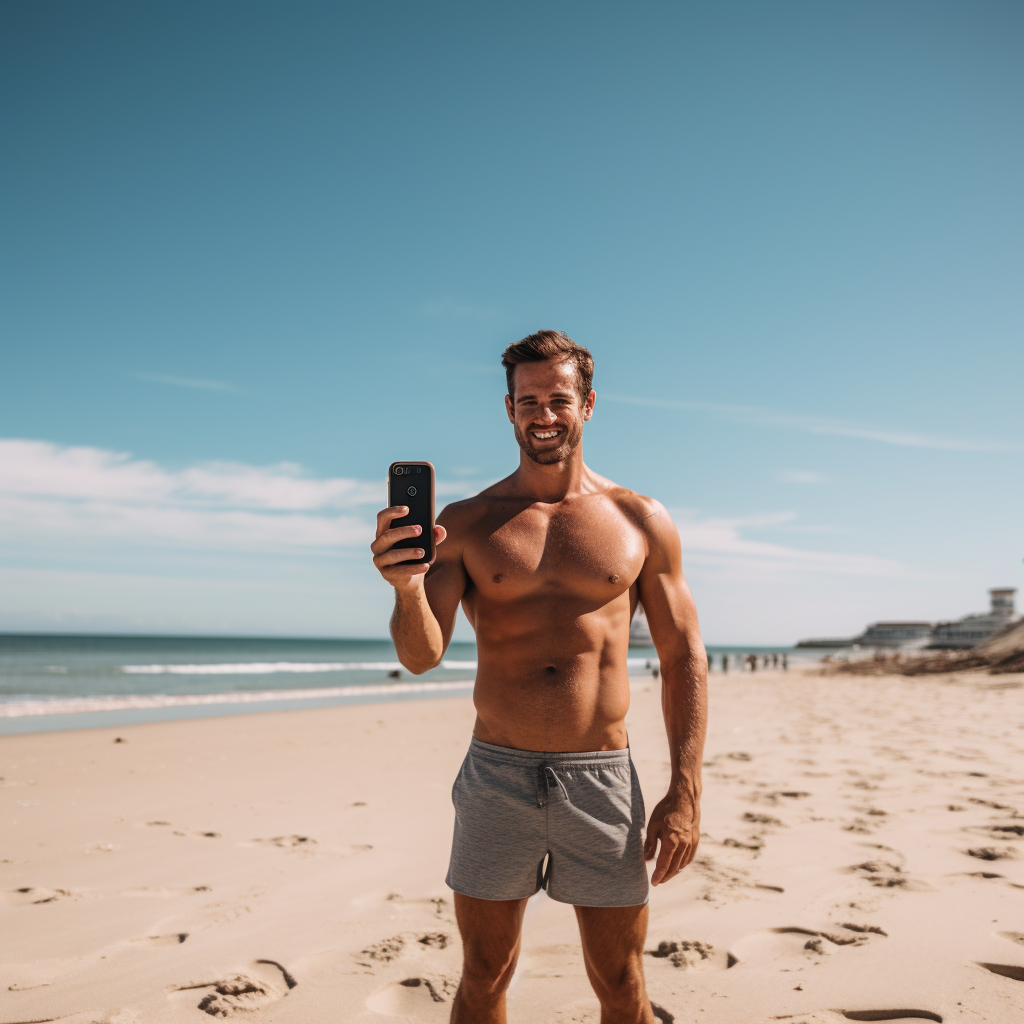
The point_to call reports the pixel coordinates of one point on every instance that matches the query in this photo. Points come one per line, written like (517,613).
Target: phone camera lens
(399,471)
(412,492)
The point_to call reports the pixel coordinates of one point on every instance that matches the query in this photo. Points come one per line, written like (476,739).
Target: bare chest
(587,551)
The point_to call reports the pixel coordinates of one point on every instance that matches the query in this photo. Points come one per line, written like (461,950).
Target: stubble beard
(549,456)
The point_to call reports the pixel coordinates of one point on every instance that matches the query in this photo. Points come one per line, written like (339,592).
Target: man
(549,565)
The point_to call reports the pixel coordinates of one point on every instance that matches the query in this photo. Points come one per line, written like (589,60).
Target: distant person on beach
(725,662)
(785,662)
(548,565)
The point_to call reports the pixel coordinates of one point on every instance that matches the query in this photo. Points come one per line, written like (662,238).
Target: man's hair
(552,345)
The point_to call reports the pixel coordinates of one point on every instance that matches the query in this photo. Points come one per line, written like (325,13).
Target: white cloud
(716,541)
(820,425)
(51,494)
(50,491)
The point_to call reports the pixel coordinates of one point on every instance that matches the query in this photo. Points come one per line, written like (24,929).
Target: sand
(861,859)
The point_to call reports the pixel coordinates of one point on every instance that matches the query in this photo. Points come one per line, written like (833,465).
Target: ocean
(66,682)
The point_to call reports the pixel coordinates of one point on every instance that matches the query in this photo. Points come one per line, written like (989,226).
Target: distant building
(894,634)
(639,631)
(971,630)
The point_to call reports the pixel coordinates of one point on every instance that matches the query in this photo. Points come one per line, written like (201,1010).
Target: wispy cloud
(720,542)
(189,382)
(52,494)
(819,425)
(49,491)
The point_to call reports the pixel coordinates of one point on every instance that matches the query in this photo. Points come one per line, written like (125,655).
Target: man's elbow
(417,666)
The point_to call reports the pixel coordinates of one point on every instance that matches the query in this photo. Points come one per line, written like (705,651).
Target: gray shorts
(528,819)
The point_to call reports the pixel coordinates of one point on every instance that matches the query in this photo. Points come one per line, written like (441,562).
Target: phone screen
(412,484)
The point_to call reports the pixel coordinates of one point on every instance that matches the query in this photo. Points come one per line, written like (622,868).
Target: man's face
(547,413)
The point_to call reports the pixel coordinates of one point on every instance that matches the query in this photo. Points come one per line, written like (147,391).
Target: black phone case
(415,489)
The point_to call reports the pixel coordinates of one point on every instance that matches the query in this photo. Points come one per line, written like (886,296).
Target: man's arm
(426,596)
(672,617)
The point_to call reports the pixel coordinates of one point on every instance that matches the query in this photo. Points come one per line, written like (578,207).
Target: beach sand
(862,852)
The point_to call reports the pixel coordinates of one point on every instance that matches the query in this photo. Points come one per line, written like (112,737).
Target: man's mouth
(544,435)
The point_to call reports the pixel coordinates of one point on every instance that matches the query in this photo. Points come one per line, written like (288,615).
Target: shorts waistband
(545,758)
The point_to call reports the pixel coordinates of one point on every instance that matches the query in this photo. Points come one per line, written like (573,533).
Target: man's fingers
(389,538)
(394,555)
(402,573)
(385,515)
(665,856)
(678,859)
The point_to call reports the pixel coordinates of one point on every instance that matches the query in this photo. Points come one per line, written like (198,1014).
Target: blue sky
(252,253)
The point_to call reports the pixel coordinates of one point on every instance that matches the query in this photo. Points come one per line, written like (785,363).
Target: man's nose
(545,415)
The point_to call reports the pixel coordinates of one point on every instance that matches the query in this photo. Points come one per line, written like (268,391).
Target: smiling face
(547,412)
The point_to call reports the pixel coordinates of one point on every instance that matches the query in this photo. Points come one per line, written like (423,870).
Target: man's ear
(508,409)
(588,405)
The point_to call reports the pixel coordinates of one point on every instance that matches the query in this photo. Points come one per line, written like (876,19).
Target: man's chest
(592,552)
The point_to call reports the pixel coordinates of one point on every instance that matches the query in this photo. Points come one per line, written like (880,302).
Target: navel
(498,577)
(551,670)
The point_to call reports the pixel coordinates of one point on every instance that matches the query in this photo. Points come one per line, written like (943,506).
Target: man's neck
(554,482)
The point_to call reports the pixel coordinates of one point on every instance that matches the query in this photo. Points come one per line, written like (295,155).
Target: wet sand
(863,858)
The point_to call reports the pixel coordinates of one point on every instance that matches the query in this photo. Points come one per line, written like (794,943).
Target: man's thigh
(490,930)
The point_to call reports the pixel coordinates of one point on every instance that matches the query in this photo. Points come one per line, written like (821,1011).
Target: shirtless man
(549,565)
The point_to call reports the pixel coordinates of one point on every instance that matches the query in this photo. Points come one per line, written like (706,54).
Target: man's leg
(613,949)
(490,931)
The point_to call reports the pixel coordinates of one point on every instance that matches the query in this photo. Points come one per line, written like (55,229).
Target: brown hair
(550,345)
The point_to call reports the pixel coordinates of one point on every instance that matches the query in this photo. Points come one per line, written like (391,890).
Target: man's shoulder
(640,508)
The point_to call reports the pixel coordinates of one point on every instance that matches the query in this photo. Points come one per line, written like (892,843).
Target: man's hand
(392,562)
(675,823)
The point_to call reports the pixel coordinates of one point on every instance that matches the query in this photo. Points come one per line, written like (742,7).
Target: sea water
(65,682)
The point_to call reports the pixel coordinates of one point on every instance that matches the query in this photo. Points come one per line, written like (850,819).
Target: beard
(549,456)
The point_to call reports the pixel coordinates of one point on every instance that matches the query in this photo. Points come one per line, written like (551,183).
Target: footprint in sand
(1004,970)
(794,946)
(889,1015)
(21,897)
(838,1016)
(293,842)
(992,853)
(690,955)
(426,998)
(174,939)
(389,949)
(165,894)
(763,819)
(1017,937)
(263,983)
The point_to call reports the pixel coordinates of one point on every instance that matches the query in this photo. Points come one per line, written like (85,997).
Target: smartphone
(412,484)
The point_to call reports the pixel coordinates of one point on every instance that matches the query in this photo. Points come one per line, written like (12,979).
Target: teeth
(544,435)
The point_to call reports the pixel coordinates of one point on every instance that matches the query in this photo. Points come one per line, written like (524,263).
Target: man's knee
(621,987)
(487,973)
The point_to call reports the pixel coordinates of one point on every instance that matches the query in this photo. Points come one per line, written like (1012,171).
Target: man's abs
(548,679)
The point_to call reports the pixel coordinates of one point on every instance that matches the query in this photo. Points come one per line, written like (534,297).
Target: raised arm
(672,617)
(426,596)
